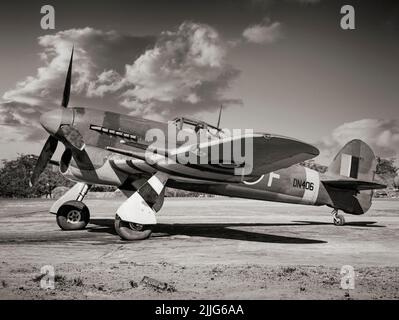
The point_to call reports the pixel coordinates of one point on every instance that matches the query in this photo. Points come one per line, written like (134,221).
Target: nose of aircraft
(52,120)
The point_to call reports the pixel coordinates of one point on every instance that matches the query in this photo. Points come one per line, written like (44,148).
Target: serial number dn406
(303,184)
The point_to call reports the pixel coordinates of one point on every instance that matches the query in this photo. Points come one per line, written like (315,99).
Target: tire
(131,231)
(339,220)
(73,215)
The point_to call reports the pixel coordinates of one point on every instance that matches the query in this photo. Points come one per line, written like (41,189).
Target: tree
(396,182)
(386,166)
(311,164)
(387,170)
(15,174)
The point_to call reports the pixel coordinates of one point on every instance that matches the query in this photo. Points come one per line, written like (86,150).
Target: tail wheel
(339,220)
(131,231)
(73,215)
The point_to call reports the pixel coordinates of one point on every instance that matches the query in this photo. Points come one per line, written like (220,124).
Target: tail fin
(349,179)
(355,160)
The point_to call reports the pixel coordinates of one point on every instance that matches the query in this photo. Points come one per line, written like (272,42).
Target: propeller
(67,88)
(51,144)
(220,117)
(45,156)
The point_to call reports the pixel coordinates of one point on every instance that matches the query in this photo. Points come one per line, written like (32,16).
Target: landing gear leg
(338,219)
(74,214)
(83,192)
(135,218)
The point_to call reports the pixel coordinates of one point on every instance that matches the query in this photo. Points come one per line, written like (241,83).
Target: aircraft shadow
(212,230)
(365,224)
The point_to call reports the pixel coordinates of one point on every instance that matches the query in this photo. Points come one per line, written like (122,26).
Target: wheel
(339,220)
(73,215)
(131,231)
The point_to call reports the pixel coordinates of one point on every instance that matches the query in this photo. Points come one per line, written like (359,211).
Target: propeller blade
(65,160)
(44,158)
(73,136)
(67,89)
(220,116)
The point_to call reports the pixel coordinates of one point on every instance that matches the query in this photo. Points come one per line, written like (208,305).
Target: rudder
(355,160)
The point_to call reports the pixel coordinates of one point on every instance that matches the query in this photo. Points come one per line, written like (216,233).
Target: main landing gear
(338,218)
(74,214)
(135,218)
(132,231)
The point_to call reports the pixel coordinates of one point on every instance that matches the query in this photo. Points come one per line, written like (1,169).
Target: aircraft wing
(269,153)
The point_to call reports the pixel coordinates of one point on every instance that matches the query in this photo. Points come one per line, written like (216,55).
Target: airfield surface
(218,248)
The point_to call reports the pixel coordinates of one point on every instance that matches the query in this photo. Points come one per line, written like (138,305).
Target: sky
(284,67)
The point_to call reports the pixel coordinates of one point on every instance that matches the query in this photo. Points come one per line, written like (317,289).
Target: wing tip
(307,147)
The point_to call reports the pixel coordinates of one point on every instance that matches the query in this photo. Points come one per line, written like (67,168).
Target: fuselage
(97,165)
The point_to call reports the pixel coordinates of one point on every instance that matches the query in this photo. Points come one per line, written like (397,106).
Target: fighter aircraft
(105,148)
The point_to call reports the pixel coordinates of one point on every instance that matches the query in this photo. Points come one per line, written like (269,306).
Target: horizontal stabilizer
(354,184)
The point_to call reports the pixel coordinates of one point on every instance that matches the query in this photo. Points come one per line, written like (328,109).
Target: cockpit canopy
(198,127)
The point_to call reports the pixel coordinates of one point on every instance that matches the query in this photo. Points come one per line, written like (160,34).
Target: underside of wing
(257,154)
(272,153)
(218,160)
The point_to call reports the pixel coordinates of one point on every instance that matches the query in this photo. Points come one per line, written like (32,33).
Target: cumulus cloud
(381,135)
(12,134)
(264,33)
(186,72)
(95,53)
(180,72)
(98,59)
(14,113)
(20,122)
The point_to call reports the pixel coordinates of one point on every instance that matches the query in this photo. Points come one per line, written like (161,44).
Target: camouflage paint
(294,184)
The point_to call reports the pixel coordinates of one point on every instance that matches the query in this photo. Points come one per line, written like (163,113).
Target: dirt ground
(204,248)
